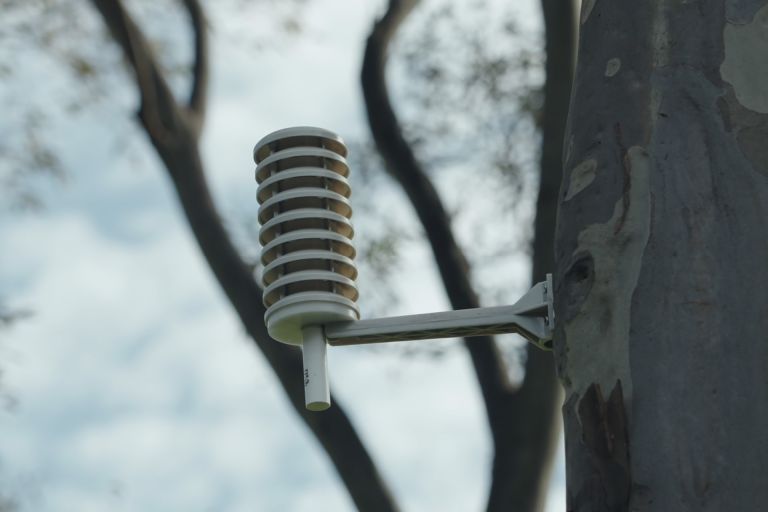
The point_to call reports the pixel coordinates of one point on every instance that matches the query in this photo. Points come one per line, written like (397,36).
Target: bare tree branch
(402,164)
(198,96)
(559,25)
(522,422)
(178,148)
(156,110)
(540,395)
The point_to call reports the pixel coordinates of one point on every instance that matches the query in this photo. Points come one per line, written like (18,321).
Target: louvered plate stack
(306,235)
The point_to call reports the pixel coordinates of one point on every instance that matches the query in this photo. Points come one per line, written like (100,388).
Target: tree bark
(661,250)
(173,130)
(522,421)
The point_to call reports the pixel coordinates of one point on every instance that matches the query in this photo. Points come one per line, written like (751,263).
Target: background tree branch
(523,421)
(175,140)
(539,397)
(199,93)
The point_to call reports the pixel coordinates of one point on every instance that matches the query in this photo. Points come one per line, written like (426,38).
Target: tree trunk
(662,258)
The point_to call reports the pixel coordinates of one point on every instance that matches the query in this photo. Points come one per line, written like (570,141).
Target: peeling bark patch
(569,150)
(612,67)
(604,435)
(598,336)
(745,65)
(586,9)
(581,177)
(580,276)
(740,12)
(753,142)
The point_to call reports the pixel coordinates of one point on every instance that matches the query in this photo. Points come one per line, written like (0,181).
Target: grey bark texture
(523,420)
(662,258)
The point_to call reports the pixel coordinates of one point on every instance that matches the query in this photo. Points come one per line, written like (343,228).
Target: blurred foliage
(8,401)
(470,81)
(9,316)
(58,64)
(378,238)
(474,78)
(24,156)
(466,79)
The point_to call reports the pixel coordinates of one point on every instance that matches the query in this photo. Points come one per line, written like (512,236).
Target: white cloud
(134,373)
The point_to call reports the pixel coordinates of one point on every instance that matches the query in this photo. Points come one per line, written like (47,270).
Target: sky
(134,387)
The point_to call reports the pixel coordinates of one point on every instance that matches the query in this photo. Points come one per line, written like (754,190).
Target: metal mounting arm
(531,317)
(309,273)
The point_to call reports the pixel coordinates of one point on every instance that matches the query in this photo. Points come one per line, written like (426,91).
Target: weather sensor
(309,269)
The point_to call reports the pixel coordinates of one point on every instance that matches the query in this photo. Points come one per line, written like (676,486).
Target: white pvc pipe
(317,393)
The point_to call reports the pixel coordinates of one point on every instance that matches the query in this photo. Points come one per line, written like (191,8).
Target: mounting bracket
(532,317)
(309,270)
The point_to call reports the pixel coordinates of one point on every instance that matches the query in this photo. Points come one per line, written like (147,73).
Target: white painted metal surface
(306,235)
(309,270)
(531,317)
(307,252)
(317,392)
